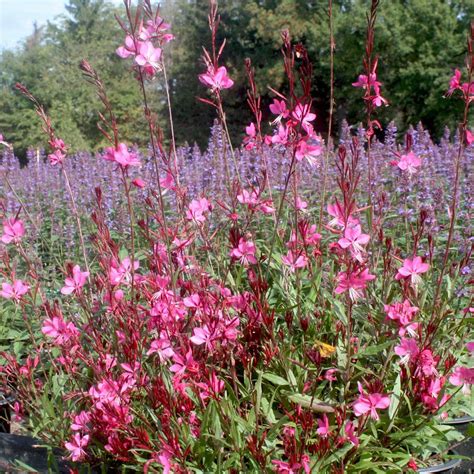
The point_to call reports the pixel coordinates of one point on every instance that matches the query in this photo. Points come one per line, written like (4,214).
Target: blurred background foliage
(419,42)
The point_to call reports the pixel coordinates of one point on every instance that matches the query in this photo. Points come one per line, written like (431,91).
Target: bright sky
(17,18)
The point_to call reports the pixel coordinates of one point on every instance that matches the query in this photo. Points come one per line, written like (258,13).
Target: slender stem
(280,210)
(132,232)
(170,113)
(229,142)
(332,46)
(157,169)
(462,131)
(76,215)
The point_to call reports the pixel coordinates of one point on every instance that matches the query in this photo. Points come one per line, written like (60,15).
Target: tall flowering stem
(372,97)
(332,47)
(137,35)
(254,102)
(106,125)
(467,91)
(57,157)
(216,78)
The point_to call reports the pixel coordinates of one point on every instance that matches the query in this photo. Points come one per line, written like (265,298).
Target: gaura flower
(216,79)
(76,447)
(294,261)
(15,291)
(197,209)
(76,282)
(323,427)
(121,156)
(370,403)
(308,151)
(412,268)
(148,57)
(13,230)
(409,162)
(302,115)
(244,252)
(463,376)
(354,239)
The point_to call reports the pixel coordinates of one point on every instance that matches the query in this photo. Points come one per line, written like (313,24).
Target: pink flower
(216,80)
(250,130)
(283,467)
(148,57)
(427,363)
(74,284)
(412,269)
(470,346)
(455,81)
(155,29)
(409,162)
(377,99)
(354,282)
(403,313)
(76,447)
(183,364)
(281,136)
(128,49)
(329,375)
(211,388)
(323,427)
(469,137)
(337,211)
(59,330)
(463,376)
(249,140)
(122,156)
(123,273)
(14,292)
(278,107)
(203,335)
(365,82)
(301,205)
(162,347)
(354,239)
(302,114)
(139,183)
(165,460)
(244,252)
(168,182)
(57,157)
(349,430)
(196,210)
(408,350)
(310,152)
(13,230)
(81,421)
(370,403)
(295,262)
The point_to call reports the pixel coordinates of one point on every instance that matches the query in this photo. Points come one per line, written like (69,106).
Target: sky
(17,18)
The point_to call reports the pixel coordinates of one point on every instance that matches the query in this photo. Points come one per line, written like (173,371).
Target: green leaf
(275,379)
(395,398)
(372,350)
(306,401)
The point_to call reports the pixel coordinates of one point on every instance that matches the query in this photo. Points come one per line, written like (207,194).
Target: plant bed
(5,413)
(19,452)
(444,467)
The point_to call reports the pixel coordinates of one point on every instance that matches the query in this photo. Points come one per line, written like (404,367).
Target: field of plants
(300,302)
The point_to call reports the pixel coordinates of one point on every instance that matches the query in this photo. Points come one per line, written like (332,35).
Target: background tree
(419,43)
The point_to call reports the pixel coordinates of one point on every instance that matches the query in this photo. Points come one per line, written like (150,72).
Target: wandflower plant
(234,333)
